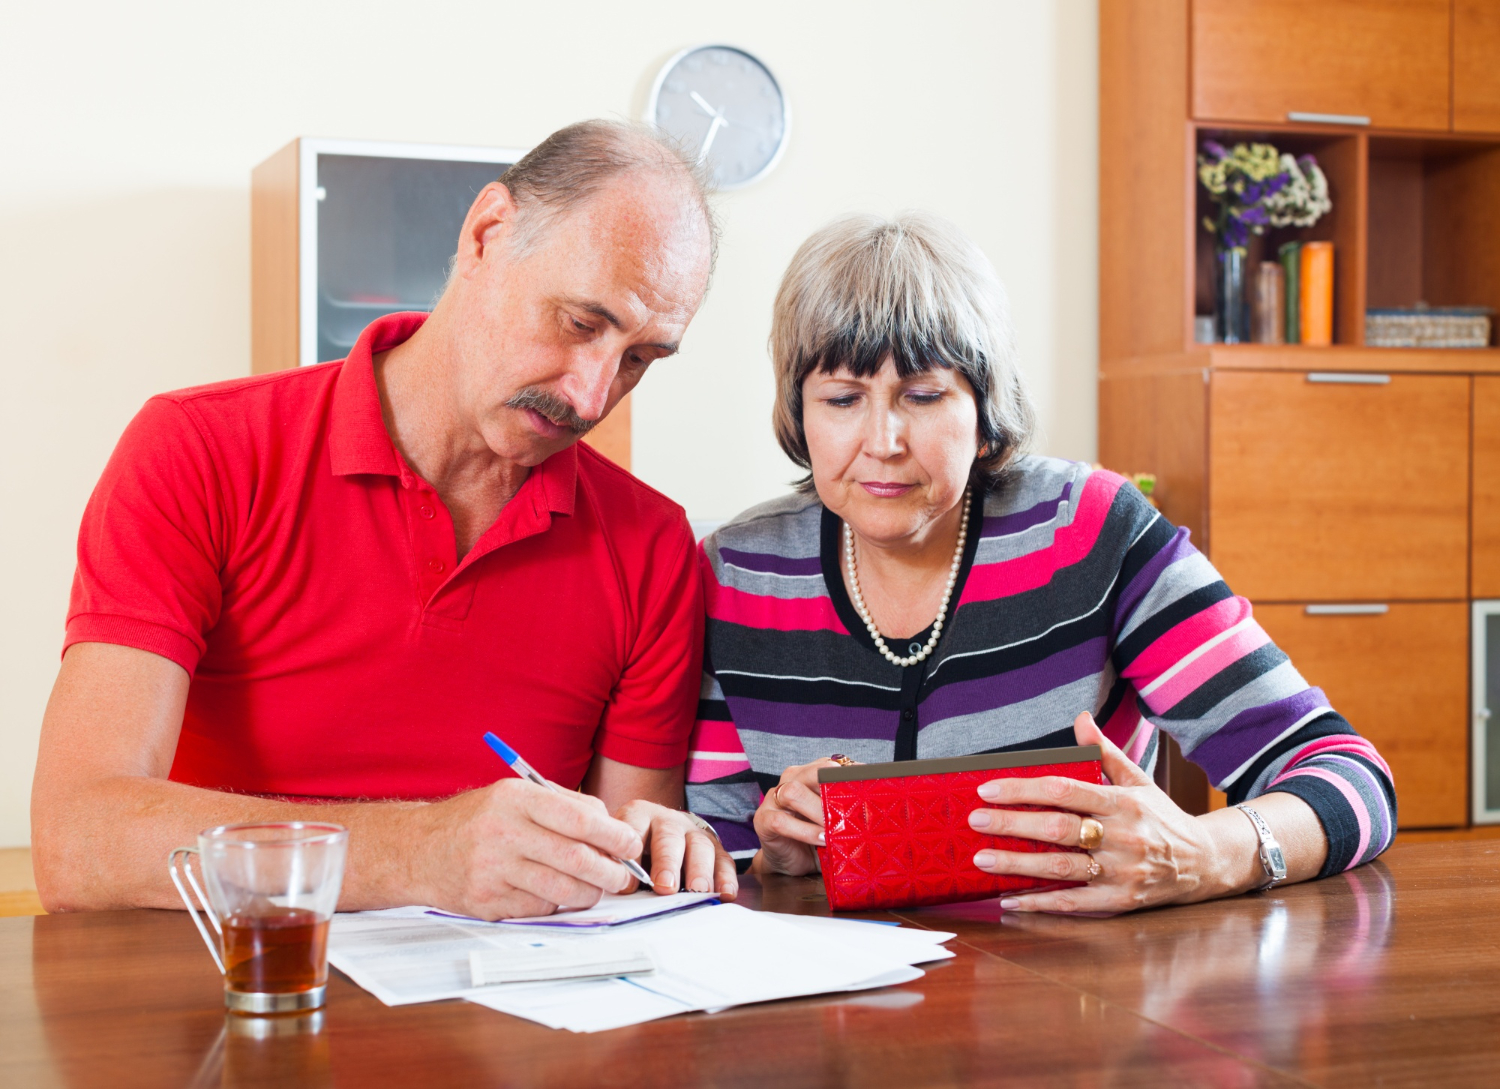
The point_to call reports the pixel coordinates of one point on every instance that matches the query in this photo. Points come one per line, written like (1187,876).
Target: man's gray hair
(915,289)
(574,164)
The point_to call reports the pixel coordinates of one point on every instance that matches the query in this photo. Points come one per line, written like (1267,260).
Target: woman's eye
(842,402)
(924,398)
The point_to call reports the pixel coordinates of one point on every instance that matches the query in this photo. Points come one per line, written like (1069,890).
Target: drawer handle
(1348,610)
(1327,118)
(1349,379)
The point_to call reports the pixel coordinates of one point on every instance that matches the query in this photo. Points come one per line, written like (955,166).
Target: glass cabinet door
(387,230)
(1486,712)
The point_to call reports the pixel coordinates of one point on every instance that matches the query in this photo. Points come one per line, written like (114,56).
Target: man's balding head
(576,164)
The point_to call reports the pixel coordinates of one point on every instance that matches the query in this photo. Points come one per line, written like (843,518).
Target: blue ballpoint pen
(519,765)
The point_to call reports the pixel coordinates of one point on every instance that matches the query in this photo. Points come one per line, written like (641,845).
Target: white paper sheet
(708,959)
(611,910)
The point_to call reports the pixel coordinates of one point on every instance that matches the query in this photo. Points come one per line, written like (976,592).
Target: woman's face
(890,456)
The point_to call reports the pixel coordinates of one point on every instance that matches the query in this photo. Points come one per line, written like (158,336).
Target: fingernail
(985,860)
(667,880)
(1010,905)
(700,885)
(731,890)
(990,792)
(822,840)
(979,819)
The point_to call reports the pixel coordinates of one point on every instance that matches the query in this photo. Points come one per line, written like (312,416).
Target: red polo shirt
(265,535)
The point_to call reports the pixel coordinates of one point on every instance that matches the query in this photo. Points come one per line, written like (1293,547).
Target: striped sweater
(1075,594)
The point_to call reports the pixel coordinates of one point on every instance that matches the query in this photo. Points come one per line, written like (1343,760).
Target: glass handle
(177,875)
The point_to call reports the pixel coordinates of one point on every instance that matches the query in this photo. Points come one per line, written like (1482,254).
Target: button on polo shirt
(266,535)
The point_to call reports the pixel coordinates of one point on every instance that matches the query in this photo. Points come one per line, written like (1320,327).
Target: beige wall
(129,131)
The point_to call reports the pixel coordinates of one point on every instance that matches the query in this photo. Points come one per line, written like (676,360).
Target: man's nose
(589,383)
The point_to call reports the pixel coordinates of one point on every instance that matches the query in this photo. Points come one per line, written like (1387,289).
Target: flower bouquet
(1255,187)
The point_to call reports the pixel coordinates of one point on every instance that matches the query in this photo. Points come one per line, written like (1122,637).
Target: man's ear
(490,221)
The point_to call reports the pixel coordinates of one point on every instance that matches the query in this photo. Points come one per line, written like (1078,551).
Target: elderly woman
(930,590)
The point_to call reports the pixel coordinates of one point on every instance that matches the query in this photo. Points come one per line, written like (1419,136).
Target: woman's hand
(679,848)
(1152,853)
(789,822)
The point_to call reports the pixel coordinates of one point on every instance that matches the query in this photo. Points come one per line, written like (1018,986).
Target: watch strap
(703,825)
(1271,859)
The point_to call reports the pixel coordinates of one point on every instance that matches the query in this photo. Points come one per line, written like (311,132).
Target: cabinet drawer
(1401,679)
(1387,60)
(1332,491)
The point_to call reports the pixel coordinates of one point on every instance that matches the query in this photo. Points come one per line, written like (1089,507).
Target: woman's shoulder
(784,528)
(1034,482)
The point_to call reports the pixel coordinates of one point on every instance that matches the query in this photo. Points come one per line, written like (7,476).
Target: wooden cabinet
(1302,490)
(1476,66)
(1387,60)
(1484,569)
(1401,678)
(1328,487)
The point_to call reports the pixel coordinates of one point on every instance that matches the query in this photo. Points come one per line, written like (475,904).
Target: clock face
(726,109)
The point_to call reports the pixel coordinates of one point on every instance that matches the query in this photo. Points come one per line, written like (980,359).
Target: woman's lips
(884,490)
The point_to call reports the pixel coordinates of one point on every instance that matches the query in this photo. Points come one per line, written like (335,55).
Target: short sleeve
(150,546)
(650,715)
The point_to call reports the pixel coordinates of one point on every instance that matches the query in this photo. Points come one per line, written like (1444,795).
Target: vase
(1230,311)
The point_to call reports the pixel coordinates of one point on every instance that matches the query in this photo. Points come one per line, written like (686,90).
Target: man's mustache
(554,408)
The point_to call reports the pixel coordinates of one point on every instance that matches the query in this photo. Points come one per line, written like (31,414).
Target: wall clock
(726,108)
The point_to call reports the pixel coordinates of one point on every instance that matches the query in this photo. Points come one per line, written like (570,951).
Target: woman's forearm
(1234,866)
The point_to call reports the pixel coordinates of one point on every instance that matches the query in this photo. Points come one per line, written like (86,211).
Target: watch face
(726,109)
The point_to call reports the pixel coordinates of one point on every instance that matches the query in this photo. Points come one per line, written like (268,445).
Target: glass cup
(269,891)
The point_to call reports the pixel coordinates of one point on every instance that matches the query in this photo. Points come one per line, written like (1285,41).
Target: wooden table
(1388,975)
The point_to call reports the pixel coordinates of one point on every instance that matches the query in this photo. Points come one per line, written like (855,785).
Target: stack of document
(709,958)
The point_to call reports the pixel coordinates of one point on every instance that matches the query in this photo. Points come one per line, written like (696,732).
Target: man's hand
(679,848)
(515,849)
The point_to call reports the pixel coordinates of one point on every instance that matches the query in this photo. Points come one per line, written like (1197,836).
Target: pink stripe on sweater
(710,735)
(705,771)
(1070,544)
(1220,657)
(1180,640)
(1341,743)
(1123,722)
(763,611)
(1356,803)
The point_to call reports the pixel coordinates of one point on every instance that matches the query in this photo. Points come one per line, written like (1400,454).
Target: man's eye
(582,327)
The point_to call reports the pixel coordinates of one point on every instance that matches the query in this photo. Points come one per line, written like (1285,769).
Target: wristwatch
(703,824)
(1271,859)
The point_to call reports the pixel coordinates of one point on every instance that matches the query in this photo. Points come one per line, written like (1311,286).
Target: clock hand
(696,97)
(713,130)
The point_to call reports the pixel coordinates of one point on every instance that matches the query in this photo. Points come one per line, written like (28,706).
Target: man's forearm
(106,846)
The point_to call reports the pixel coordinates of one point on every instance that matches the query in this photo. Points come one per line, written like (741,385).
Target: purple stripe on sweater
(812,719)
(771,564)
(1178,548)
(1245,735)
(1017,685)
(734,835)
(1044,511)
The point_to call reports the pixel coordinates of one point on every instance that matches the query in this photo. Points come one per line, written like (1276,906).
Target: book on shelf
(1290,255)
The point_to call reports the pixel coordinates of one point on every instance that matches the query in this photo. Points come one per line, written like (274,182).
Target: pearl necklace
(937,625)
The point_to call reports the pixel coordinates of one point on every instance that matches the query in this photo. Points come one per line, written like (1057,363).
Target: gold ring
(841,760)
(776,795)
(1090,834)
(1094,869)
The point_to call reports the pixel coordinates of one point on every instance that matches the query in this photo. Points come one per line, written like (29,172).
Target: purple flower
(1236,235)
(1216,149)
(1255,216)
(1276,183)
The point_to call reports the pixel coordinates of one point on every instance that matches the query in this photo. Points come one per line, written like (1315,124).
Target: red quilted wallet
(899,836)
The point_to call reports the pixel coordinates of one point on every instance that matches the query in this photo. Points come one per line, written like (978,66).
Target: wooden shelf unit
(1324,476)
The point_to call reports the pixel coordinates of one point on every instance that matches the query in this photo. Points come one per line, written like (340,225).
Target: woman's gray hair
(913,288)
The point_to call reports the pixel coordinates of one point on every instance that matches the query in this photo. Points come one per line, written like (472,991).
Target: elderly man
(307,595)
